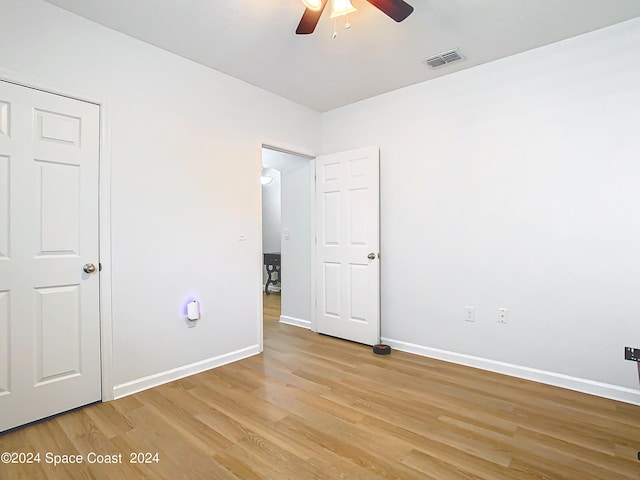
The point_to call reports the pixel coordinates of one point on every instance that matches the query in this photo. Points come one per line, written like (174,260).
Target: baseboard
(591,387)
(273,288)
(298,322)
(135,386)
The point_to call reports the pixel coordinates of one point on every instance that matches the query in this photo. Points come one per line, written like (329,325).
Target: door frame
(104,217)
(309,155)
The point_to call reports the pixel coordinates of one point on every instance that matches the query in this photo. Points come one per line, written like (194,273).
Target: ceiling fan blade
(309,20)
(396,9)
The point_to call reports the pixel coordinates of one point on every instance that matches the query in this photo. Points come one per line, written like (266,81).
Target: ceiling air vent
(443,58)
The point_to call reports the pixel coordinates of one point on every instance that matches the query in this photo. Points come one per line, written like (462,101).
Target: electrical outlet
(503,315)
(470,314)
(632,354)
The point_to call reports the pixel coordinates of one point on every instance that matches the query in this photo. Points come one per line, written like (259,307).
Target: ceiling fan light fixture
(342,7)
(313,4)
(398,10)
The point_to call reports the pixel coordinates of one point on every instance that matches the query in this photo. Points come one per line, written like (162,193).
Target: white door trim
(312,268)
(104,218)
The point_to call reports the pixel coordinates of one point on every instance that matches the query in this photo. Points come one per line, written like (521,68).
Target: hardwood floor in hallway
(315,407)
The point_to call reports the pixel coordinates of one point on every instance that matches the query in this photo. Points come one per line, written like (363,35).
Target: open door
(348,245)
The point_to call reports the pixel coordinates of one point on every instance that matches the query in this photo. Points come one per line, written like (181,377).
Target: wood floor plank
(315,407)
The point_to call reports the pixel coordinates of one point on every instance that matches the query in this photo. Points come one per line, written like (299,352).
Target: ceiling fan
(396,9)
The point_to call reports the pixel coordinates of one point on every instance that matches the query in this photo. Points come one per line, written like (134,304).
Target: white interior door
(49,307)
(348,244)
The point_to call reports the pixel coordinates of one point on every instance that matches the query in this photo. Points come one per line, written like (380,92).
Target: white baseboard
(135,386)
(599,389)
(298,322)
(273,288)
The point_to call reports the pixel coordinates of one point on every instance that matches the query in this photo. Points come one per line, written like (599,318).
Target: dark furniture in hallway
(272,264)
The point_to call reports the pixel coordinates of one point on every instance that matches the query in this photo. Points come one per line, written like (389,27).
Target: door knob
(371,256)
(89,268)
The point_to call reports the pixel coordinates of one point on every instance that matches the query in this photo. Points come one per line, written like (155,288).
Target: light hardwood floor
(314,407)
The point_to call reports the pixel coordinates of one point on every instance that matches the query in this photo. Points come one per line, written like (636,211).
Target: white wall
(513,184)
(185,160)
(271,206)
(296,239)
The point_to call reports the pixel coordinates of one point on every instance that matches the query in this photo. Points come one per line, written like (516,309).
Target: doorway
(287,230)
(332,220)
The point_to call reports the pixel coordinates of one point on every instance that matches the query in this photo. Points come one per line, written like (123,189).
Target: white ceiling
(254,40)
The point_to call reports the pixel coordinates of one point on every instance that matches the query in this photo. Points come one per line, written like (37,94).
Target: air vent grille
(443,58)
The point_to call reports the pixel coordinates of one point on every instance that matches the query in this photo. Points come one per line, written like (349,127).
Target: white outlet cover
(470,314)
